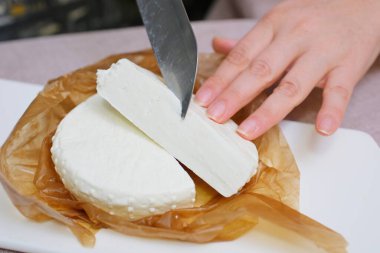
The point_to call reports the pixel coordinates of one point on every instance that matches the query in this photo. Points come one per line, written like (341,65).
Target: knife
(174,45)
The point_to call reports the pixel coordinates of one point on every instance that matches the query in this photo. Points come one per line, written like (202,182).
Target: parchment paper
(27,173)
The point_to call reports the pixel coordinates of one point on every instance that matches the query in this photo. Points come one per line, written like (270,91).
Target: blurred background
(32,18)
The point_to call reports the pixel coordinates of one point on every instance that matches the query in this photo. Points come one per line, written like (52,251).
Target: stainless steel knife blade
(174,45)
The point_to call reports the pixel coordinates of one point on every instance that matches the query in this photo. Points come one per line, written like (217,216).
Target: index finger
(236,61)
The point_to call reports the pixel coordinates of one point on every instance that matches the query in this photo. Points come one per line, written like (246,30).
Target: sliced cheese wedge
(215,152)
(105,160)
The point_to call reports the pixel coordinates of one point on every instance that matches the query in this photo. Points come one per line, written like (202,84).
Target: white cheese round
(103,159)
(214,152)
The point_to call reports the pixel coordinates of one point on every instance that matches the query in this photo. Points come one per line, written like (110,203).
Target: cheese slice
(103,159)
(215,152)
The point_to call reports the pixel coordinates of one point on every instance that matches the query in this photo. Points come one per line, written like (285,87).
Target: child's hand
(305,43)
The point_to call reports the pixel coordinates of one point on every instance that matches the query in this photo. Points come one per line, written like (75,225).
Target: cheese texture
(215,152)
(103,159)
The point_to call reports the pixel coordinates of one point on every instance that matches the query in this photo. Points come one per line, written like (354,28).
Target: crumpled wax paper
(27,173)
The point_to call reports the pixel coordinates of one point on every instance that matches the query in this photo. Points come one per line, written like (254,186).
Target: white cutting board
(339,187)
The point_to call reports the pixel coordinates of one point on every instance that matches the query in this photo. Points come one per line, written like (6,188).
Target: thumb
(223,45)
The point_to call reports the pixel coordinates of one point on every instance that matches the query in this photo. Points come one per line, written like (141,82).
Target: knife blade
(174,45)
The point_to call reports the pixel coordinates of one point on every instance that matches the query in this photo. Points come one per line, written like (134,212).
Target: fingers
(336,95)
(339,86)
(260,74)
(292,90)
(223,45)
(236,61)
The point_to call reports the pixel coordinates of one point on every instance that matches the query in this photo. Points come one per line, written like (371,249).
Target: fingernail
(216,111)
(326,125)
(203,96)
(248,128)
